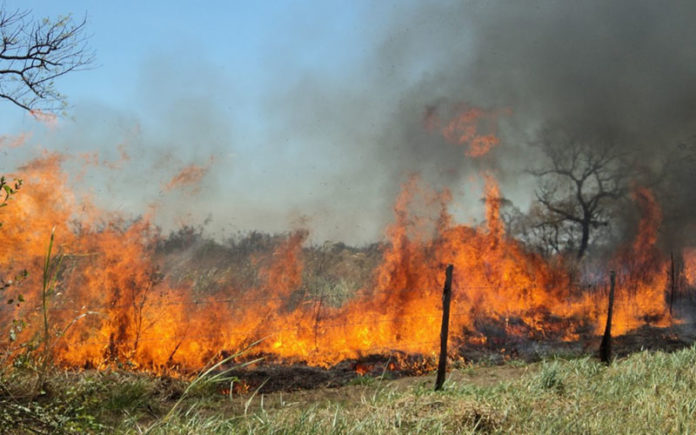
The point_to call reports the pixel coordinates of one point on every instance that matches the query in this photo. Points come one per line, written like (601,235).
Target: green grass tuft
(643,393)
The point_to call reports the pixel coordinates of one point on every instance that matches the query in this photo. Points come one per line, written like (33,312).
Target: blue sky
(293,100)
(243,42)
(216,81)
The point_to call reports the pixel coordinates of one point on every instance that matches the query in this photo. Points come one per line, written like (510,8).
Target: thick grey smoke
(622,68)
(619,72)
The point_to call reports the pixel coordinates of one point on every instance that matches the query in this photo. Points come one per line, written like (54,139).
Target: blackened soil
(269,376)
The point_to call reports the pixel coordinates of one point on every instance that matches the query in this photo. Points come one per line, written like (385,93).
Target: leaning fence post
(605,347)
(446,297)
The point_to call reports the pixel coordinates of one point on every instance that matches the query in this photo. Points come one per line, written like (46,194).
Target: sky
(314,113)
(237,40)
(199,83)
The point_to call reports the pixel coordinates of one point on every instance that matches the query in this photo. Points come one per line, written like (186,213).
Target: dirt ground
(358,392)
(480,365)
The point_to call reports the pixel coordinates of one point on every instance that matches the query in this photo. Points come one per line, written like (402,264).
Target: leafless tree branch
(578,184)
(35,53)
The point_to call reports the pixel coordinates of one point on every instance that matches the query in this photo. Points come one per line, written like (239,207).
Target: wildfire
(14,141)
(50,120)
(189,176)
(470,126)
(112,306)
(689,255)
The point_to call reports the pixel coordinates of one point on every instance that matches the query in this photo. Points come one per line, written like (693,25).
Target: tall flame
(113,306)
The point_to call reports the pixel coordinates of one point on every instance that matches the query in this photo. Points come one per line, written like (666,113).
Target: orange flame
(189,176)
(465,127)
(644,278)
(14,141)
(689,256)
(112,306)
(50,120)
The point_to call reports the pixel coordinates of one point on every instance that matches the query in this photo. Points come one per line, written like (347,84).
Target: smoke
(603,72)
(616,73)
(332,137)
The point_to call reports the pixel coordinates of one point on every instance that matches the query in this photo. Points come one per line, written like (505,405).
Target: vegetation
(575,193)
(7,189)
(332,272)
(644,393)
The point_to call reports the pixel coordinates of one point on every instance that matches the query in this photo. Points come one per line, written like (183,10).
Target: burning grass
(125,296)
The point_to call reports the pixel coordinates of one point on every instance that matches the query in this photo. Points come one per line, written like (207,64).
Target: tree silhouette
(577,187)
(33,53)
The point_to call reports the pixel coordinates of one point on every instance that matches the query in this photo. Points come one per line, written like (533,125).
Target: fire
(470,126)
(50,120)
(189,176)
(644,278)
(362,369)
(689,255)
(113,306)
(14,141)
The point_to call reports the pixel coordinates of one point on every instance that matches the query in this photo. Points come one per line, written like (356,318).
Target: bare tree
(577,188)
(541,230)
(33,53)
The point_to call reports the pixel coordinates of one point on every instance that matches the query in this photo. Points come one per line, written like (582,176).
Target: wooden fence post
(444,330)
(605,347)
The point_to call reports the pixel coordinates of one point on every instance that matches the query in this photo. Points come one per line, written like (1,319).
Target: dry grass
(644,393)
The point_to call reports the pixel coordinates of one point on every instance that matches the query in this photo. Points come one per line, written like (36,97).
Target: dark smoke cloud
(622,69)
(619,72)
